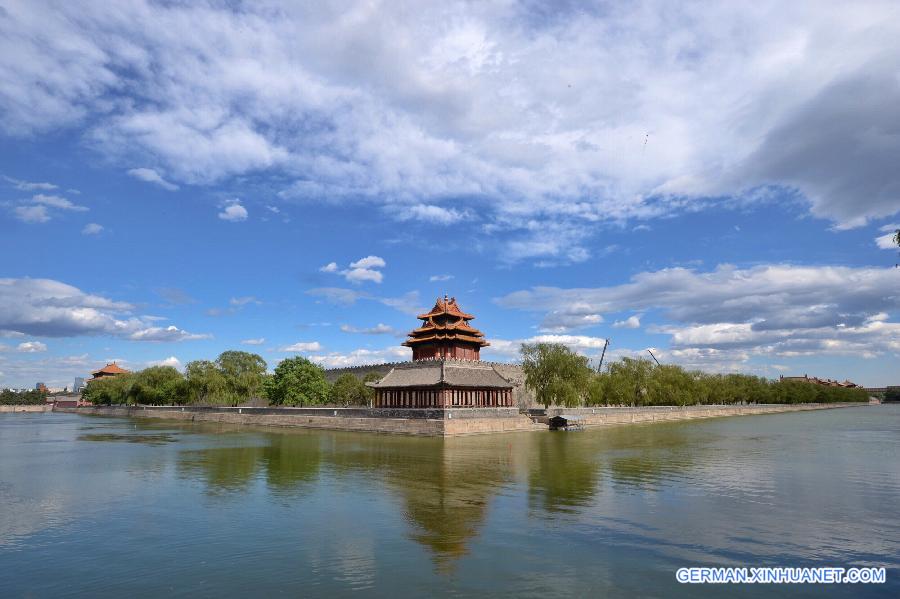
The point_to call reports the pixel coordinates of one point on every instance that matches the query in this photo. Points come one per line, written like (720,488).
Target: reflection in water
(240,511)
(446,485)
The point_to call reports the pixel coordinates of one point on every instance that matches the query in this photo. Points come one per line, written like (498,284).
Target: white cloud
(432,214)
(771,309)
(378,329)
(31,214)
(359,357)
(30,185)
(632,322)
(30,347)
(48,308)
(364,269)
(360,275)
(369,262)
(434,278)
(233,212)
(886,241)
(259,341)
(303,346)
(170,333)
(151,176)
(580,114)
(243,301)
(55,201)
(170,361)
(92,229)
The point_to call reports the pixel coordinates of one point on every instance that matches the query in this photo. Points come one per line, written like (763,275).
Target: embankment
(432,422)
(37,408)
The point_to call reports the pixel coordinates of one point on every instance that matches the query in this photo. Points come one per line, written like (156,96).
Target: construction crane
(600,366)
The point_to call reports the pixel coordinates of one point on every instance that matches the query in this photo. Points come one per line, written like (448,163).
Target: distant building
(108,370)
(446,371)
(41,387)
(79,384)
(817,381)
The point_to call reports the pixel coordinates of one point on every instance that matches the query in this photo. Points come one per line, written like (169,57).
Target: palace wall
(434,422)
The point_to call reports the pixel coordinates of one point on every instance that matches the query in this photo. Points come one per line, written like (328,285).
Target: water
(113,507)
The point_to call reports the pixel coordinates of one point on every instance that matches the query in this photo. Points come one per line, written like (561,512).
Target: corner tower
(446,334)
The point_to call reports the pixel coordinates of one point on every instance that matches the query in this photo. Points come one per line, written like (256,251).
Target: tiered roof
(108,370)
(446,322)
(443,373)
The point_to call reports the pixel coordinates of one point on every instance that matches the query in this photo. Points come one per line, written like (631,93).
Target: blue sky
(715,182)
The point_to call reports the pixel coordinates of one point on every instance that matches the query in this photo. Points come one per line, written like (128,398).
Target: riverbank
(26,408)
(434,422)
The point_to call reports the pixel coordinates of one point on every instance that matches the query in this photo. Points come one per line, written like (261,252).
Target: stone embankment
(37,408)
(433,422)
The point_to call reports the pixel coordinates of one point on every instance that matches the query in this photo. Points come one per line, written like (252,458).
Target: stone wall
(612,416)
(37,408)
(432,422)
(427,422)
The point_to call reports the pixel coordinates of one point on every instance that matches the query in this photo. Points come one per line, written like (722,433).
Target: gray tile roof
(450,373)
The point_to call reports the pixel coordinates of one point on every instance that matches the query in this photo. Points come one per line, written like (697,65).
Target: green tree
(158,385)
(348,390)
(207,385)
(244,373)
(111,390)
(297,382)
(627,381)
(555,374)
(371,377)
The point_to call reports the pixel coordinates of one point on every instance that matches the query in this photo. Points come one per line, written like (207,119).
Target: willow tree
(555,374)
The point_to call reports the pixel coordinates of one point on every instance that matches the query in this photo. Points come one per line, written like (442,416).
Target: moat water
(115,507)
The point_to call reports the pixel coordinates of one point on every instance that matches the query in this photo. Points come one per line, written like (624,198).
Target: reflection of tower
(447,491)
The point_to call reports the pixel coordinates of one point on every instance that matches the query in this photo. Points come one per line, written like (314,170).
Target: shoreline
(433,422)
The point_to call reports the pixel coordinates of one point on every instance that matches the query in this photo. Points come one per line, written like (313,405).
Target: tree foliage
(348,390)
(207,384)
(297,382)
(558,376)
(31,397)
(555,374)
(244,373)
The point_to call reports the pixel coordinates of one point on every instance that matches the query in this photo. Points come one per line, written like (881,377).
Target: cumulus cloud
(31,347)
(771,309)
(48,308)
(170,361)
(303,346)
(591,115)
(92,229)
(259,341)
(632,322)
(360,271)
(434,278)
(233,212)
(151,176)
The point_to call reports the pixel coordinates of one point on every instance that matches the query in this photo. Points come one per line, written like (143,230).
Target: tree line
(234,378)
(559,376)
(31,397)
